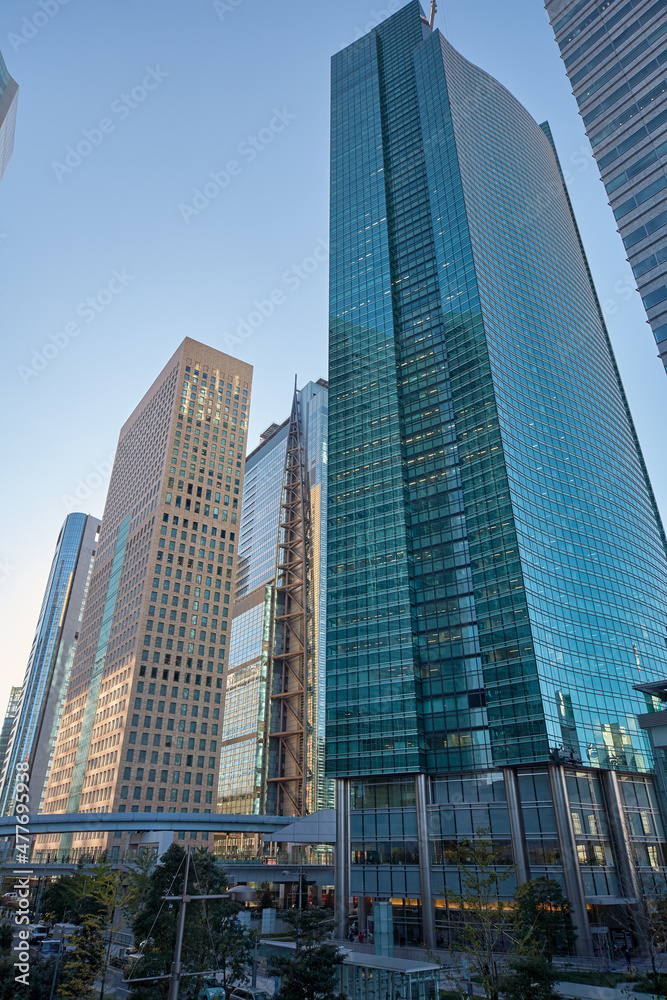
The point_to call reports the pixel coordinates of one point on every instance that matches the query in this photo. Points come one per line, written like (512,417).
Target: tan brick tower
(140,728)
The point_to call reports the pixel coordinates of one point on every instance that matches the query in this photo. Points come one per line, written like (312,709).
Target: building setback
(616,60)
(494,545)
(250,759)
(9,99)
(35,728)
(140,726)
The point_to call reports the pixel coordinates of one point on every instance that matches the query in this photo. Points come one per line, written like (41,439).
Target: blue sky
(108,258)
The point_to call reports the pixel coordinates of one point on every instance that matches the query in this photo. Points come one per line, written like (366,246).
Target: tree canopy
(543,918)
(310,972)
(214,939)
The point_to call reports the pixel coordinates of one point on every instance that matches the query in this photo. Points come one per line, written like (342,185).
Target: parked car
(49,948)
(67,932)
(213,992)
(38,932)
(249,993)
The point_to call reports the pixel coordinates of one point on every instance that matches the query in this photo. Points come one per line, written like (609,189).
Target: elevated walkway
(143,823)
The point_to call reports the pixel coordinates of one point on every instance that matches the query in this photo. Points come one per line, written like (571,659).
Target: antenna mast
(434,10)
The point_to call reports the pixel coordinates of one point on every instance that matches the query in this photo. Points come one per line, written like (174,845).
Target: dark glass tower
(494,546)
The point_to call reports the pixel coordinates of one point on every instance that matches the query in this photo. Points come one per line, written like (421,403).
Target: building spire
(434,11)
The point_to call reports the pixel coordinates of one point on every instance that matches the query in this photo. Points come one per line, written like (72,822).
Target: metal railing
(85,856)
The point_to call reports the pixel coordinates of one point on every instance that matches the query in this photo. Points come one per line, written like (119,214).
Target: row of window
(168,742)
(164,776)
(148,794)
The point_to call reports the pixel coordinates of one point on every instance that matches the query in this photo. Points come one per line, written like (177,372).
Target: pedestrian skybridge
(143,823)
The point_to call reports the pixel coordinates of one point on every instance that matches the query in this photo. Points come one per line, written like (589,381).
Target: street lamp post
(254,961)
(175,981)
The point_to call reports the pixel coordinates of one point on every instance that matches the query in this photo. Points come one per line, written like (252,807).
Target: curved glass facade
(496,560)
(38,716)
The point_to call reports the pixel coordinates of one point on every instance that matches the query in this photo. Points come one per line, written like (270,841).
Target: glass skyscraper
(37,718)
(246,765)
(494,545)
(8,104)
(615,56)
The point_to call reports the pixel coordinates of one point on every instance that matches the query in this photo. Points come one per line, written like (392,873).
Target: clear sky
(170,91)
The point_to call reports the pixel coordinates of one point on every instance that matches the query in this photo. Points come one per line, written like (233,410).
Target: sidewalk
(581,991)
(266,983)
(585,992)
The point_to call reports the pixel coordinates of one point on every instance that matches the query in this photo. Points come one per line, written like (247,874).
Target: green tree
(60,897)
(234,946)
(214,939)
(92,900)
(647,919)
(137,884)
(265,900)
(89,891)
(6,937)
(39,980)
(97,892)
(82,966)
(310,973)
(543,918)
(485,920)
(528,977)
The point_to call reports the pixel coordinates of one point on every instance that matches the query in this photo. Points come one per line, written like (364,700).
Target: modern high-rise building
(35,728)
(264,696)
(140,730)
(496,558)
(9,97)
(615,57)
(10,715)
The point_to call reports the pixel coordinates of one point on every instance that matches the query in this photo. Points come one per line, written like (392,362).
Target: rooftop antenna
(434,10)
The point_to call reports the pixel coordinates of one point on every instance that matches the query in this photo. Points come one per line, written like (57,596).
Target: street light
(301,878)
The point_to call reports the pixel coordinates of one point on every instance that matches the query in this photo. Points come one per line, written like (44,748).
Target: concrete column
(516,825)
(342,855)
(627,874)
(428,913)
(574,885)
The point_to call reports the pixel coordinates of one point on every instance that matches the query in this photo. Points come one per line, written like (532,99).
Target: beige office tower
(140,728)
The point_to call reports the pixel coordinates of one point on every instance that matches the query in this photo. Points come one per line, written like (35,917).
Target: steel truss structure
(288,780)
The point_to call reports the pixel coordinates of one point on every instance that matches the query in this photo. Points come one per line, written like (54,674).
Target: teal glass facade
(494,545)
(497,563)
